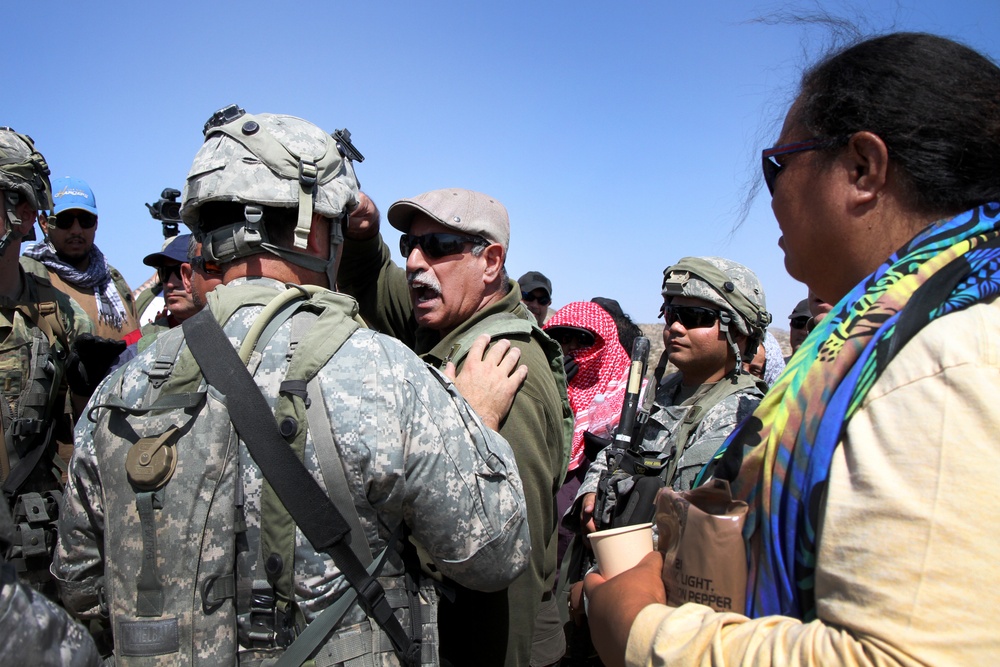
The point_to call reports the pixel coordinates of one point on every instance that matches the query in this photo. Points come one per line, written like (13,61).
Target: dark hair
(628,330)
(934,102)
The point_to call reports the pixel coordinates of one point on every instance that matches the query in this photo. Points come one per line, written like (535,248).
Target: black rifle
(624,449)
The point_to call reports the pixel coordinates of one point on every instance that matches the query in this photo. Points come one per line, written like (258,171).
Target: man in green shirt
(455,287)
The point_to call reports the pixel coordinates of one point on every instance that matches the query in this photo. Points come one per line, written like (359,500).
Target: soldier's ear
(43,224)
(186,274)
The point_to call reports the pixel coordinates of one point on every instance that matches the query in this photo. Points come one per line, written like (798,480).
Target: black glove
(570,366)
(89,361)
(594,445)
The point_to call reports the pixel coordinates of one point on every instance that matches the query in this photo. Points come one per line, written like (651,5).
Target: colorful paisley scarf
(949,266)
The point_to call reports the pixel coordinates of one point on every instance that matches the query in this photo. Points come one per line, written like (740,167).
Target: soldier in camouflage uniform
(715,315)
(31,624)
(37,327)
(233,579)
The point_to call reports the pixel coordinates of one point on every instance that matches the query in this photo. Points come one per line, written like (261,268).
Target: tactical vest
(32,368)
(503,325)
(171,576)
(87,301)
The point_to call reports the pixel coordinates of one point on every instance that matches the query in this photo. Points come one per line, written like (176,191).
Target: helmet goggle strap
(249,237)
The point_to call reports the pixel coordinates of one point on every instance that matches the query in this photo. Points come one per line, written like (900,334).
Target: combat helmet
(729,285)
(276,161)
(24,176)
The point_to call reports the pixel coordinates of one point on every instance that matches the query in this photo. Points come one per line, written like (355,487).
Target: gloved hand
(570,366)
(594,445)
(89,361)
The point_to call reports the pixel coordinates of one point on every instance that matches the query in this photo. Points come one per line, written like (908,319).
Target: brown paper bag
(701,537)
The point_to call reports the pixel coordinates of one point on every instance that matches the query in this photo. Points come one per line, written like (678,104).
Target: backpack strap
(332,468)
(313,511)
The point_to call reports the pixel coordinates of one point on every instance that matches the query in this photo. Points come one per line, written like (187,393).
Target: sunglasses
(566,336)
(439,244)
(528,297)
(165,272)
(799,322)
(65,220)
(208,268)
(772,167)
(691,317)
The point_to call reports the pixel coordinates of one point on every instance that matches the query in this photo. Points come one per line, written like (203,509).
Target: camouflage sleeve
(368,274)
(35,629)
(463,499)
(594,473)
(484,543)
(77,564)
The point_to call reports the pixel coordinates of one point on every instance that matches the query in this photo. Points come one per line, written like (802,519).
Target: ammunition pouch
(35,517)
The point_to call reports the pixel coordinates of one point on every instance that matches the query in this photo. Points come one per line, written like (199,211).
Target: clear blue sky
(621,136)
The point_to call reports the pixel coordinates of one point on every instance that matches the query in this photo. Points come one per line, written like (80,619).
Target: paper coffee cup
(620,549)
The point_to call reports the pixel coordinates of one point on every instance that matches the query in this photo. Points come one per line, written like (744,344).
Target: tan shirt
(907,566)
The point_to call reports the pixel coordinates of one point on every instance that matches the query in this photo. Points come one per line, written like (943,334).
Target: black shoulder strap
(315,514)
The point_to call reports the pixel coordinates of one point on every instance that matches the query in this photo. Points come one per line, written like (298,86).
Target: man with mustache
(455,287)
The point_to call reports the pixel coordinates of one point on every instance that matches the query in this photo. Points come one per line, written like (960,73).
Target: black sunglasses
(65,219)
(567,335)
(528,297)
(439,244)
(691,317)
(165,272)
(799,322)
(772,167)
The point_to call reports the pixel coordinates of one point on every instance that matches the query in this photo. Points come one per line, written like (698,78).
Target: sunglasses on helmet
(528,297)
(690,317)
(65,219)
(439,244)
(199,264)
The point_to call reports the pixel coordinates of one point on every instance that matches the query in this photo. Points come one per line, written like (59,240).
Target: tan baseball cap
(462,210)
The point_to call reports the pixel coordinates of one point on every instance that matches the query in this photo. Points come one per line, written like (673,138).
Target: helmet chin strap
(12,233)
(725,319)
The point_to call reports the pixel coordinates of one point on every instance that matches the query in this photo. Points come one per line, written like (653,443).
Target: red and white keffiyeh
(597,390)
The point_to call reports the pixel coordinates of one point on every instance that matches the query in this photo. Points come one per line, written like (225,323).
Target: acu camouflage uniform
(709,428)
(37,328)
(31,625)
(412,451)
